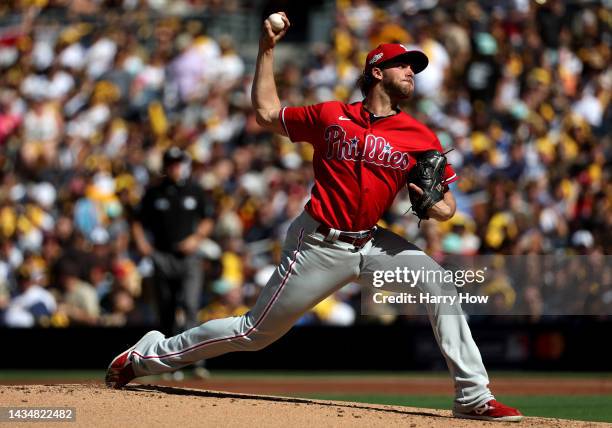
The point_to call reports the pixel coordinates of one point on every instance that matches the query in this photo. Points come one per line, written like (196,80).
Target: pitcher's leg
(305,276)
(449,325)
(462,356)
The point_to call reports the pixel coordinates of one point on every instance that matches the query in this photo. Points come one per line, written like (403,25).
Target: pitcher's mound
(161,406)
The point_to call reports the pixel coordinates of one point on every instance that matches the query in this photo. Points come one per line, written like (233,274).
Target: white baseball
(276,22)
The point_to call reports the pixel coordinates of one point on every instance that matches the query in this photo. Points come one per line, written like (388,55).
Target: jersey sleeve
(449,174)
(303,123)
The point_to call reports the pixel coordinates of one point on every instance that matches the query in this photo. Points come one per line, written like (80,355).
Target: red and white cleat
(492,411)
(120,371)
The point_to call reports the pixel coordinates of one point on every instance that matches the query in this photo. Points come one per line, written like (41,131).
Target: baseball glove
(428,174)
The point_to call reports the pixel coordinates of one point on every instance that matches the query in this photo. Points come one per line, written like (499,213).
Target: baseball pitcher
(364,153)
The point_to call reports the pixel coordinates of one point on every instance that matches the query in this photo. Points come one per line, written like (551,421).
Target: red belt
(354,238)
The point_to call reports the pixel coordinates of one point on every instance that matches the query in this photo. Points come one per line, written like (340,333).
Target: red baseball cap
(388,51)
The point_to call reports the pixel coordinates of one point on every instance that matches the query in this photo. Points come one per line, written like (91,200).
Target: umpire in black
(171,221)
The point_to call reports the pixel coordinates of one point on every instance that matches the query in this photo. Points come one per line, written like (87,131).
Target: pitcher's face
(398,80)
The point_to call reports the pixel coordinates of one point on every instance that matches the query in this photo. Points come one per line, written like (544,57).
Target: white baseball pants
(310,270)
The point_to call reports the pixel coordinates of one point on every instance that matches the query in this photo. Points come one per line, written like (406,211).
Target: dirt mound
(392,385)
(153,406)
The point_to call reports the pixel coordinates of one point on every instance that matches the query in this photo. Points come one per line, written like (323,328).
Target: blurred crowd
(90,8)
(519,89)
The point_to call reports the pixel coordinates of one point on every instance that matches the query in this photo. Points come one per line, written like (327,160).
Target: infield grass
(310,374)
(21,374)
(578,407)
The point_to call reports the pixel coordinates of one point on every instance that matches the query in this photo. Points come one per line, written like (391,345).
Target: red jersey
(359,165)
